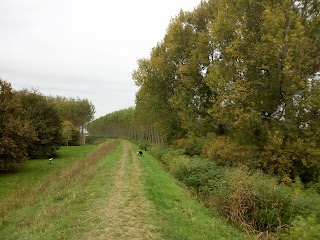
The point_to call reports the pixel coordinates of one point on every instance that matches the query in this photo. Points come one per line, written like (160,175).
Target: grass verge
(36,170)
(29,213)
(180,216)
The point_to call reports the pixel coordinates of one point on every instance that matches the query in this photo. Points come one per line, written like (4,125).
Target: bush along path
(120,196)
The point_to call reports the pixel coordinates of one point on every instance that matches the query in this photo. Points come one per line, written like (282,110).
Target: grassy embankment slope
(108,194)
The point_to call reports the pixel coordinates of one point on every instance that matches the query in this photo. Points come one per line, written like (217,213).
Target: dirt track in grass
(127,212)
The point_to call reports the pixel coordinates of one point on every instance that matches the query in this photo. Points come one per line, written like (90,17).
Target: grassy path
(127,212)
(120,196)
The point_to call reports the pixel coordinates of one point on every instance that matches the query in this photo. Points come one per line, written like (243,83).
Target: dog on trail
(139,153)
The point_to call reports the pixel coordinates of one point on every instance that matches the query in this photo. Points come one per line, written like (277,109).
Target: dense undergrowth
(246,197)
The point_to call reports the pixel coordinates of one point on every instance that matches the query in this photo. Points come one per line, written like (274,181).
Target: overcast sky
(82,48)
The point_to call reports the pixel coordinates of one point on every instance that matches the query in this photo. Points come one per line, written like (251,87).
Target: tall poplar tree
(265,75)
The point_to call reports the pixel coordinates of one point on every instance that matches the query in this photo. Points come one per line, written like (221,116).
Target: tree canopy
(76,111)
(16,131)
(246,73)
(35,126)
(46,122)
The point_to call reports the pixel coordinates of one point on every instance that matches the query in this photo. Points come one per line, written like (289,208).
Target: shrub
(227,153)
(158,151)
(291,155)
(191,146)
(173,161)
(144,144)
(46,122)
(200,174)
(75,137)
(70,134)
(303,228)
(16,131)
(94,140)
(250,198)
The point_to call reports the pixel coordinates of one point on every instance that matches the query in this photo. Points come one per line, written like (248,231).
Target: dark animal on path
(139,153)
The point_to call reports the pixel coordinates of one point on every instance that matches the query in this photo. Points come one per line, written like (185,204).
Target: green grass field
(107,194)
(33,171)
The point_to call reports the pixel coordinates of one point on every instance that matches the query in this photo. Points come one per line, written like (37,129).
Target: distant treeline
(35,126)
(124,123)
(237,81)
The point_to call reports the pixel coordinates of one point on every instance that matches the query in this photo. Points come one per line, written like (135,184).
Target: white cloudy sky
(82,48)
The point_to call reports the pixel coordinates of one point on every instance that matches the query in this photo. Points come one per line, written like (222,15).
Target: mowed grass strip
(33,204)
(179,216)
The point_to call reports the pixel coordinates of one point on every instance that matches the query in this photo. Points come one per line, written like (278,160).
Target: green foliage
(226,152)
(294,156)
(251,199)
(158,151)
(45,121)
(303,228)
(191,146)
(153,109)
(144,145)
(76,111)
(199,174)
(267,91)
(95,140)
(201,78)
(178,215)
(30,124)
(75,137)
(70,134)
(116,124)
(16,130)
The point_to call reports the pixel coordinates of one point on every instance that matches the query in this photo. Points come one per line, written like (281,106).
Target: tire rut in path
(128,212)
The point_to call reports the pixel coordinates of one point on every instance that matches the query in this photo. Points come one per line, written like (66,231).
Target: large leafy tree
(188,48)
(16,131)
(173,93)
(245,69)
(265,75)
(70,134)
(76,111)
(45,121)
(154,110)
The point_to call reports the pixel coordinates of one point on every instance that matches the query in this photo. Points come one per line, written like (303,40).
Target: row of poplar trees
(125,123)
(244,75)
(35,126)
